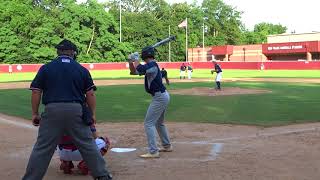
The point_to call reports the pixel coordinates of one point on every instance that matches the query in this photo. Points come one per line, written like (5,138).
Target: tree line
(30,29)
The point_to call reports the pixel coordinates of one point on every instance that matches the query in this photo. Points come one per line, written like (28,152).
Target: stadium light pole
(169,44)
(120,19)
(203,30)
(203,40)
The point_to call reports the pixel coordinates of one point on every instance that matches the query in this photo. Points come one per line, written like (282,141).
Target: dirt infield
(201,151)
(21,85)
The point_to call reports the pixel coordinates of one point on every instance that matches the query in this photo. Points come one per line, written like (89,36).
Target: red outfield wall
(288,65)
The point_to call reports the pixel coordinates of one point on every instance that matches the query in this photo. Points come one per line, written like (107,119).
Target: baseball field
(263,125)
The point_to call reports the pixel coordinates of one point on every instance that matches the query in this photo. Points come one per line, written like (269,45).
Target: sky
(298,16)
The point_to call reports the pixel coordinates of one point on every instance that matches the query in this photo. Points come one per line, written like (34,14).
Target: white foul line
(214,141)
(19,124)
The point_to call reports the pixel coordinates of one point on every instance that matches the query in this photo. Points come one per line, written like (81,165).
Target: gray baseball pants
(154,121)
(57,119)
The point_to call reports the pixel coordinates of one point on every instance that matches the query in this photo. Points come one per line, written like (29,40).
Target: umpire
(63,85)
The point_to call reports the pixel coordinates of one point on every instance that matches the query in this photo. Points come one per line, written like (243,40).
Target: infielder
(218,70)
(183,71)
(190,70)
(164,75)
(154,120)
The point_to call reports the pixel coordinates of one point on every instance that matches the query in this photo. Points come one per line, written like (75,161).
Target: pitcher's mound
(204,91)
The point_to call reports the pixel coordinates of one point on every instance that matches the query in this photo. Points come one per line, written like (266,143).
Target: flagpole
(203,42)
(120,20)
(169,46)
(187,40)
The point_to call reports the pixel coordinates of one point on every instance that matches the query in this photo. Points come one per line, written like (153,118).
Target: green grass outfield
(198,73)
(287,104)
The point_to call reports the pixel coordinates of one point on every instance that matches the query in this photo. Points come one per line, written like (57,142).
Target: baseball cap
(66,45)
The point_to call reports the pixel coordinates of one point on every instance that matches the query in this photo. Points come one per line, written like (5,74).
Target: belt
(61,147)
(78,102)
(162,91)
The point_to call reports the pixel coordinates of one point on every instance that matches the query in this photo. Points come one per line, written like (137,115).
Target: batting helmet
(148,52)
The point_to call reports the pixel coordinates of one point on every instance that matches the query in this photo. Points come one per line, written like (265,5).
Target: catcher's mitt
(212,71)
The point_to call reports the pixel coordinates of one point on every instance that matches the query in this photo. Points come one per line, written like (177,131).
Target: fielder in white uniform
(190,70)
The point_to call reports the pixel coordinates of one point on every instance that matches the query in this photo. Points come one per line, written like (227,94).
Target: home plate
(123,150)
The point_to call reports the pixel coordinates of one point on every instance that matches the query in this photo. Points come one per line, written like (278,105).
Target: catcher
(68,152)
(218,70)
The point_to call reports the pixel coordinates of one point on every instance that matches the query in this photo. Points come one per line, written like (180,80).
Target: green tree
(94,31)
(143,23)
(223,22)
(265,29)
(261,31)
(9,51)
(30,29)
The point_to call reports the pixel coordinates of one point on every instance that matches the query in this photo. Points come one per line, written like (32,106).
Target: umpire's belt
(78,102)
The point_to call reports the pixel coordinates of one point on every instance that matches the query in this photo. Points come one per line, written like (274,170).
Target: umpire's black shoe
(108,177)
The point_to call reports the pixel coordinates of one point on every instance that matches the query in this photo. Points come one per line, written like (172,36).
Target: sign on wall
(293,47)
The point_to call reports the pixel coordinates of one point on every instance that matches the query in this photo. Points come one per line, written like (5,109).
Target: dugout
(292,51)
(222,53)
(240,53)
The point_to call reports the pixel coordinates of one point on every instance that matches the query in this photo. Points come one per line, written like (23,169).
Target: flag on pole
(183,24)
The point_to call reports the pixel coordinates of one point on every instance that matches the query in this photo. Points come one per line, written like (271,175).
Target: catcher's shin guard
(83,168)
(66,167)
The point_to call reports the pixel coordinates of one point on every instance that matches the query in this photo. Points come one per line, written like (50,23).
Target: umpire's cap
(67,45)
(148,52)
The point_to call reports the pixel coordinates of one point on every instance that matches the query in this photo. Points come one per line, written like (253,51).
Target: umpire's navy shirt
(153,78)
(63,80)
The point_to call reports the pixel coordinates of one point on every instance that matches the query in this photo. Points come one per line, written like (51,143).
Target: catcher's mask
(148,52)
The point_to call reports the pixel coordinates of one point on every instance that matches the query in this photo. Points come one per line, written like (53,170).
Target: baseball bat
(164,41)
(135,56)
